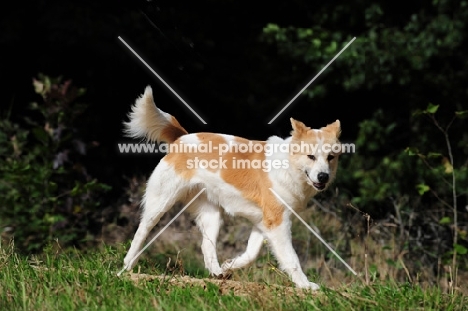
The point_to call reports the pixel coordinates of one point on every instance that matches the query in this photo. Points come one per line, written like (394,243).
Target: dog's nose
(322,177)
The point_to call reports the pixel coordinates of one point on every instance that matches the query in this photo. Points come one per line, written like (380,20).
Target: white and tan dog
(236,180)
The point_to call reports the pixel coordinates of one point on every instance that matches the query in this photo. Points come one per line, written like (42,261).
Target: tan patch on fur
(253,184)
(179,160)
(172,131)
(299,129)
(328,134)
(179,163)
(333,128)
(215,140)
(158,127)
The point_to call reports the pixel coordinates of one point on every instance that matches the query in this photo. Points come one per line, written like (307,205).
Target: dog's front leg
(254,246)
(280,241)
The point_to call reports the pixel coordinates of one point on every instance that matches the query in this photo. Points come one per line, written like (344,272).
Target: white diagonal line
(307,85)
(162,230)
(162,80)
(312,230)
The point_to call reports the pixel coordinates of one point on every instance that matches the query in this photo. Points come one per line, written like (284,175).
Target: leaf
(40,134)
(461,114)
(391,262)
(331,48)
(434,155)
(417,112)
(445,221)
(38,86)
(81,91)
(431,108)
(271,28)
(76,190)
(422,188)
(447,165)
(412,151)
(460,249)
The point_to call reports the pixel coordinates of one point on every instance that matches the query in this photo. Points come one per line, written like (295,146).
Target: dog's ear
(299,128)
(334,127)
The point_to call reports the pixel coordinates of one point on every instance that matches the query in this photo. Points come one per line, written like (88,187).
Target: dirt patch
(226,286)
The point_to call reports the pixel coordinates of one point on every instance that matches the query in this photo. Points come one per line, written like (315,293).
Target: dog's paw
(129,263)
(220,274)
(308,285)
(216,272)
(226,275)
(227,265)
(313,286)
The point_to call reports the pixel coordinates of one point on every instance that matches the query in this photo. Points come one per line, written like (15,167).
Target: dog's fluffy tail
(148,121)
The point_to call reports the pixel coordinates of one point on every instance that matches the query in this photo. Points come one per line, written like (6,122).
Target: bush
(47,193)
(419,189)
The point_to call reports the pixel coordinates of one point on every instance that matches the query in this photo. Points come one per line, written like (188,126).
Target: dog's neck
(295,181)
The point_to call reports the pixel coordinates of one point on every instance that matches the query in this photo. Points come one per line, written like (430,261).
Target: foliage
(390,49)
(46,191)
(457,175)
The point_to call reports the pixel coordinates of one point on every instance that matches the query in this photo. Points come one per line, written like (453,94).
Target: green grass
(87,281)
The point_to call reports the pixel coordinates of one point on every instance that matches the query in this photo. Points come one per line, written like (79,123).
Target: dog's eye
(330,157)
(311,156)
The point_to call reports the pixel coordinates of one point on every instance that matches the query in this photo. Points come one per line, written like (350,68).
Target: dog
(246,182)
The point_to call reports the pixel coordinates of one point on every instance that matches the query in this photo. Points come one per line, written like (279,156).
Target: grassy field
(87,281)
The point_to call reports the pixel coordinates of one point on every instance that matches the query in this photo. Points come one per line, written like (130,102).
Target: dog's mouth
(317,185)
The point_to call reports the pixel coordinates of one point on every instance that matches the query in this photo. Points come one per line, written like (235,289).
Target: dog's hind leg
(254,246)
(209,221)
(164,189)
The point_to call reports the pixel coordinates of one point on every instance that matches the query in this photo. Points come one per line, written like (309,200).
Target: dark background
(219,58)
(208,51)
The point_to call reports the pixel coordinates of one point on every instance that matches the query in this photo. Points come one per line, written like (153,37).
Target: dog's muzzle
(322,180)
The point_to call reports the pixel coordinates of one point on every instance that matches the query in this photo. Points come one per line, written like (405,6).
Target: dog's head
(315,152)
